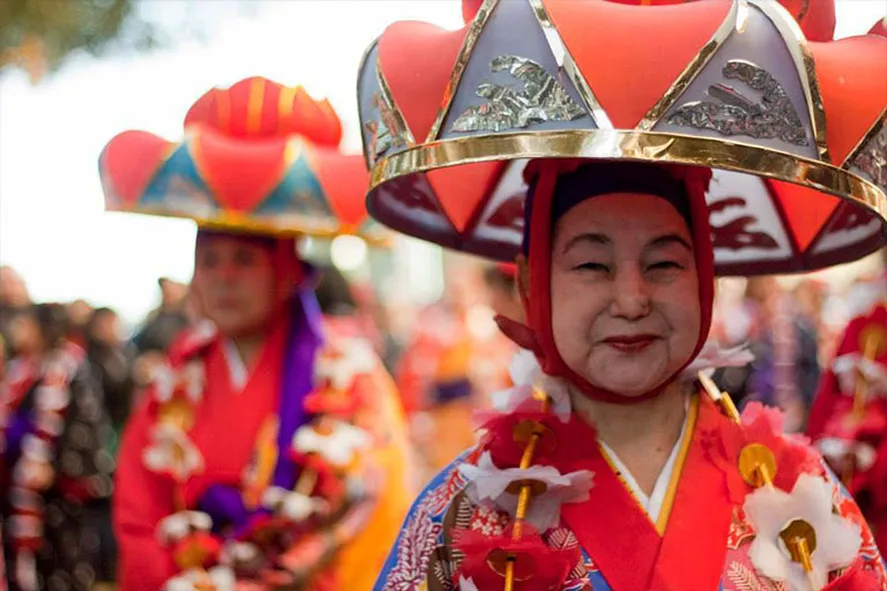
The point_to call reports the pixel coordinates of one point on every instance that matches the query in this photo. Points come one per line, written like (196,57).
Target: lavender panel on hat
(749,92)
(512,81)
(380,128)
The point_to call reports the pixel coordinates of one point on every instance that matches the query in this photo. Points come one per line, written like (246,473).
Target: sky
(52,227)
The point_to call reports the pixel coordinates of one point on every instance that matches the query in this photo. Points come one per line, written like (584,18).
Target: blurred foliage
(37,35)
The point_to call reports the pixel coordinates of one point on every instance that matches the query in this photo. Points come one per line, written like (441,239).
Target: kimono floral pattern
(415,562)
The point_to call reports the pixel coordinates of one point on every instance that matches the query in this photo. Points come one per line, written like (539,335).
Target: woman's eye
(665,265)
(245,258)
(599,267)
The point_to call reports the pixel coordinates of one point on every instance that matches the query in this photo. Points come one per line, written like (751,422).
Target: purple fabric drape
(224,503)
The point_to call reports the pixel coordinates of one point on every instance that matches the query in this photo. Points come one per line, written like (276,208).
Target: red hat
(734,87)
(257,157)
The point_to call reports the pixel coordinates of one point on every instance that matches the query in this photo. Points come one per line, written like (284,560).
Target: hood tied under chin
(555,187)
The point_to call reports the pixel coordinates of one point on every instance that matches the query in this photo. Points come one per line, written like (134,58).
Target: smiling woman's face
(624,292)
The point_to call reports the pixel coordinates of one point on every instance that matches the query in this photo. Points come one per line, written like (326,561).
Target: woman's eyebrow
(668,239)
(592,237)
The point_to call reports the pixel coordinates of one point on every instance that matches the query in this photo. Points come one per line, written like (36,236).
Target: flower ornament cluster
(285,522)
(799,538)
(516,475)
(34,471)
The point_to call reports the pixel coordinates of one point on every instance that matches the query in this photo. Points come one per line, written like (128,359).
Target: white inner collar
(237,370)
(652,504)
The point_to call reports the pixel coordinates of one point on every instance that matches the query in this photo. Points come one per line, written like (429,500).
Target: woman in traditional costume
(848,420)
(667,145)
(55,474)
(269,453)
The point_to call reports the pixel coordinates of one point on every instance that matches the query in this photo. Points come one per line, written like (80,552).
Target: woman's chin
(631,378)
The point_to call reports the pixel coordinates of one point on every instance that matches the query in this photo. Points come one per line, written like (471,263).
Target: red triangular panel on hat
(854,90)
(240,173)
(805,209)
(130,161)
(344,179)
(663,41)
(462,191)
(417,60)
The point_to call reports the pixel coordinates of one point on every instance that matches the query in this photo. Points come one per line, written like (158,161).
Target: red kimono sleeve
(141,499)
(829,392)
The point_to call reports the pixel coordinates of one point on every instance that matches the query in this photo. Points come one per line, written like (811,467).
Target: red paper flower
(537,567)
(763,425)
(506,436)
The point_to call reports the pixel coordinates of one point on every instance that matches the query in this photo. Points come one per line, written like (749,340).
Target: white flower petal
(489,484)
(523,368)
(298,507)
(173,527)
(467,584)
(507,401)
(223,578)
(865,456)
(833,448)
(273,496)
(714,356)
(338,446)
(768,558)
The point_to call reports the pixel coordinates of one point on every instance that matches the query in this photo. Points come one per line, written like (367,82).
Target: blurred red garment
(848,420)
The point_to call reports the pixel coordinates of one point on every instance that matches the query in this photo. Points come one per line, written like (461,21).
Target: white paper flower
(295,506)
(848,368)
(467,584)
(489,484)
(836,450)
(35,448)
(338,446)
(172,451)
(164,381)
(344,360)
(770,510)
(713,356)
(52,398)
(241,552)
(527,375)
(193,379)
(218,578)
(173,528)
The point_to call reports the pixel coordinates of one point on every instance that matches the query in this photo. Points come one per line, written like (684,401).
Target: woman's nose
(631,295)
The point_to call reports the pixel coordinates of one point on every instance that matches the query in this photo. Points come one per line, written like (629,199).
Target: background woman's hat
(794,130)
(258,157)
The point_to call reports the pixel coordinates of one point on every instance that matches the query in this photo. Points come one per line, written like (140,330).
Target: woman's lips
(631,343)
